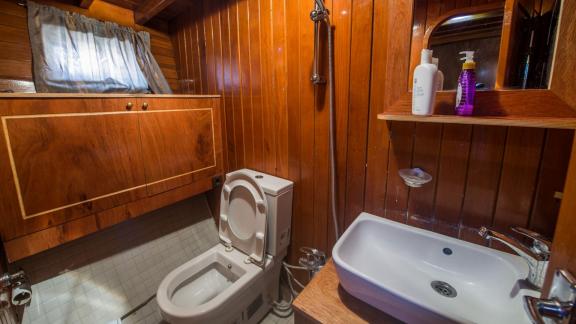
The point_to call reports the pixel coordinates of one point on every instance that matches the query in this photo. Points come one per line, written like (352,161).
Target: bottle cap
(426,56)
(435,61)
(469,63)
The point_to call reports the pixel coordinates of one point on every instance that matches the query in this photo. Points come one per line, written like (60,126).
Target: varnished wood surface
(150,8)
(65,159)
(564,244)
(465,193)
(16,55)
(85,157)
(542,122)
(258,55)
(276,122)
(179,144)
(101,95)
(27,245)
(325,301)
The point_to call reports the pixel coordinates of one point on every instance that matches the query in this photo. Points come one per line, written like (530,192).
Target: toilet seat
(243,209)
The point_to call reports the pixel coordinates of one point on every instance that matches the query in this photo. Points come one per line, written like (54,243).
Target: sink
(420,276)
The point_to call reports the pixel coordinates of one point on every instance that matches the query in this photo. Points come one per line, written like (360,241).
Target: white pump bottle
(424,85)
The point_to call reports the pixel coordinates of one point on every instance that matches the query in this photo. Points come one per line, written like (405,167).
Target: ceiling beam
(150,8)
(85,4)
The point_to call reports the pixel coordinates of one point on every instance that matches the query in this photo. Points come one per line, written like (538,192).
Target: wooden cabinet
(67,164)
(177,143)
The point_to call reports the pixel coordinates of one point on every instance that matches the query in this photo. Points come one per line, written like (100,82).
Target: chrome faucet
(536,255)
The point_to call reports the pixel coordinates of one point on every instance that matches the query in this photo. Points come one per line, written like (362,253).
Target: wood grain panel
(177,145)
(478,182)
(72,152)
(484,169)
(258,55)
(426,154)
(79,158)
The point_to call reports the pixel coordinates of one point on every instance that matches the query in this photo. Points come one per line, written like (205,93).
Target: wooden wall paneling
(426,154)
(245,68)
(483,179)
(216,36)
(561,80)
(321,149)
(279,30)
(303,221)
(378,136)
(551,179)
(236,84)
(228,81)
(189,54)
(395,29)
(359,87)
(400,157)
(268,111)
(564,245)
(454,158)
(293,105)
(194,48)
(256,84)
(342,18)
(520,167)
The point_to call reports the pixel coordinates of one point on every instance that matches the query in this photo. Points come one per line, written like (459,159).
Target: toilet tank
(279,198)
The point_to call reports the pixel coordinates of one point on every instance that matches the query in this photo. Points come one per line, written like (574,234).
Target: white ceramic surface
(391,266)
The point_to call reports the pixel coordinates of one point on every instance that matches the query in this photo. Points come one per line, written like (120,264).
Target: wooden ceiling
(145,10)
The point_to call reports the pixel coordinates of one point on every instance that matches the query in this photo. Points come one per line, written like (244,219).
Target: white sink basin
(391,266)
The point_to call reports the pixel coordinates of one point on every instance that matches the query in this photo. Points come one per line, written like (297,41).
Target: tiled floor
(272,318)
(99,278)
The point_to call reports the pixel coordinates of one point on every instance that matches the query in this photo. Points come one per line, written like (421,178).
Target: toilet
(237,280)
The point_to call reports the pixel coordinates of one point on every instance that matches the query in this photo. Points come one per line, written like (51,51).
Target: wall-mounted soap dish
(415,177)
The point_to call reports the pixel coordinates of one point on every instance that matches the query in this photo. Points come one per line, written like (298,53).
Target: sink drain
(444,289)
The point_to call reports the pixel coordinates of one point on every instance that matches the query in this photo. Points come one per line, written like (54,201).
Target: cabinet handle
(144,106)
(129,106)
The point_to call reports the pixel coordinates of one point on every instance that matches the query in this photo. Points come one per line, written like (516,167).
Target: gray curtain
(74,53)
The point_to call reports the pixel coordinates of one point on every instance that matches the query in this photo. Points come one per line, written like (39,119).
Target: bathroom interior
(287,161)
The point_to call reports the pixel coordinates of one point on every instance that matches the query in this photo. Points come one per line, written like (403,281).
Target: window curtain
(76,54)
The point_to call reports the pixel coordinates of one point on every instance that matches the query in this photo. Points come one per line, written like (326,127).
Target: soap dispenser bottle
(424,85)
(466,85)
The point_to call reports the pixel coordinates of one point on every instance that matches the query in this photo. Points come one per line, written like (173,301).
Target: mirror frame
(392,26)
(395,17)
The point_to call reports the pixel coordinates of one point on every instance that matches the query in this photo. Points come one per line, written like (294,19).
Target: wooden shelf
(540,122)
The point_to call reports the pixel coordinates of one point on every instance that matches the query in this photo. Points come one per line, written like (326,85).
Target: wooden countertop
(325,301)
(101,95)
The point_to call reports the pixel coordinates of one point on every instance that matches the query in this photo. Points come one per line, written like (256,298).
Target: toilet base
(250,301)
(256,302)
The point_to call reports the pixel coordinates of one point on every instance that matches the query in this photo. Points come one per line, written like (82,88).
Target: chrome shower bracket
(318,15)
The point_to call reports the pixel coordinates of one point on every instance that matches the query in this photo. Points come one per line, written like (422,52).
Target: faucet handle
(539,243)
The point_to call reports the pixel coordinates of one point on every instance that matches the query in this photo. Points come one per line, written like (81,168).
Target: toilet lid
(243,215)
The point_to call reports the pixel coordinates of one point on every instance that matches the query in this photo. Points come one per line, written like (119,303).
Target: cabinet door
(66,158)
(180,142)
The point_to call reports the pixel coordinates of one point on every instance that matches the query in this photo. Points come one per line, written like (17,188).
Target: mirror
(513,40)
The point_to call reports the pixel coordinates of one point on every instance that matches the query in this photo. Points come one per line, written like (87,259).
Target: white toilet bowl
(237,280)
(211,287)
